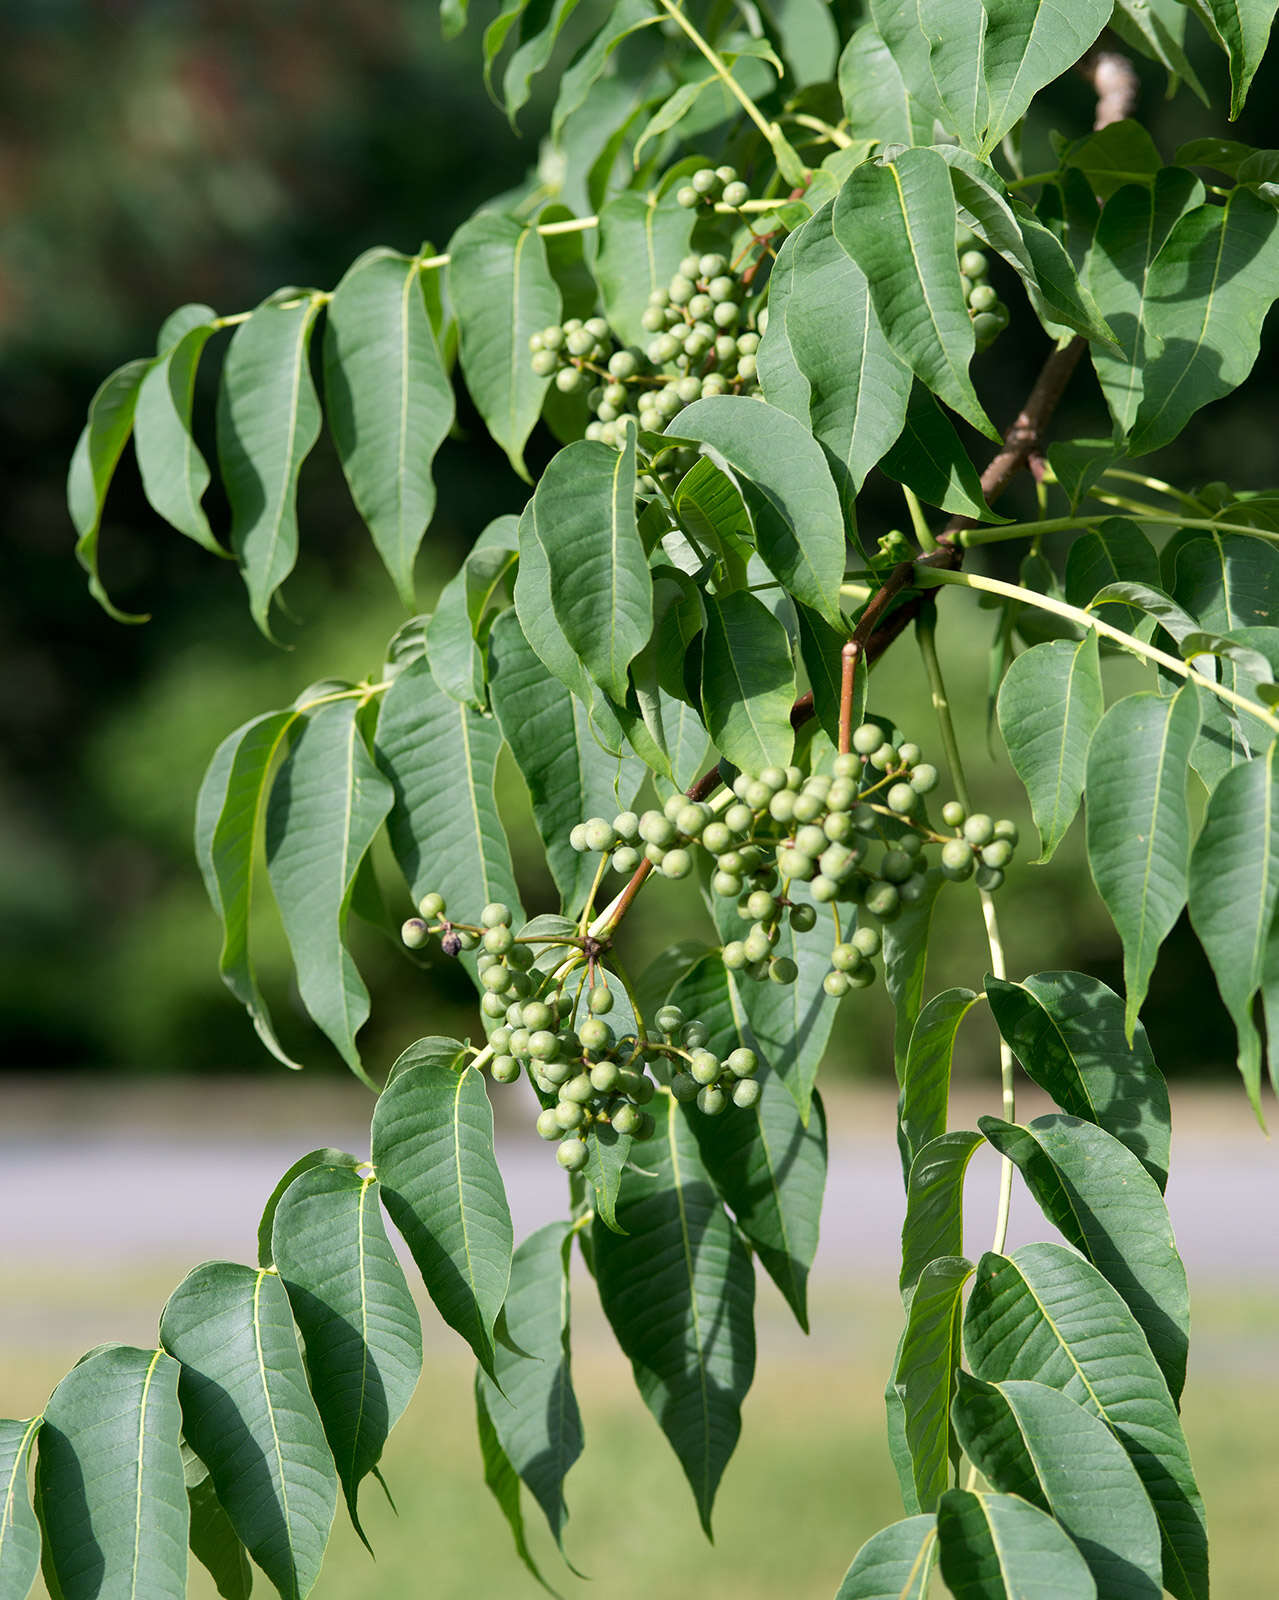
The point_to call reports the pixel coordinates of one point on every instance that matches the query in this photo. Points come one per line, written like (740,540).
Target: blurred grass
(809,1482)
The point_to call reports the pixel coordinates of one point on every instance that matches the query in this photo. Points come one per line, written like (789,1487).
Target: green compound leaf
(503,292)
(1139,824)
(503,1481)
(1242,28)
(1234,884)
(569,774)
(799,527)
(894,1564)
(1104,1203)
(109,1483)
(583,516)
(1050,704)
(934,1224)
(925,1092)
(359,1326)
(532,1406)
(228,822)
(441,759)
(433,1151)
(767,1165)
(839,375)
(897,222)
(1116,552)
(642,239)
(624,19)
(1067,1030)
(456,627)
(876,103)
(214,1541)
(389,401)
(788,1024)
(1158,29)
(748,682)
(1134,226)
(326,805)
(679,1291)
(174,473)
(1029,1440)
(93,463)
(19,1530)
(268,418)
(1046,1316)
(977,66)
(248,1414)
(924,1376)
(929,458)
(1223,260)
(995,1545)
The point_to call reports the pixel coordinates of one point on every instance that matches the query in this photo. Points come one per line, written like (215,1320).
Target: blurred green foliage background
(153,152)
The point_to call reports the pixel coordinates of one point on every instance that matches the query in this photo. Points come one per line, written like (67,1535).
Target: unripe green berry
(979,829)
(694,1035)
(569,1114)
(998,853)
(846,766)
(746,367)
(802,918)
(505,1069)
(746,1093)
(734,955)
(795,864)
(896,866)
(973,264)
(605,1076)
(657,829)
(836,984)
(782,806)
(988,325)
(625,858)
(704,1066)
(676,864)
(572,1155)
(493,1005)
(687,197)
(983,297)
(497,941)
(867,738)
(883,757)
(711,1101)
(782,970)
(414,933)
(627,1119)
(727,884)
(883,901)
(669,1019)
(760,905)
(717,838)
(824,888)
(924,779)
(726,315)
(638,1086)
(684,1088)
(652,320)
(736,193)
(957,860)
(1006,829)
(568,380)
(681,290)
(953,814)
(494,978)
(577,837)
(845,958)
(739,818)
(543,1045)
(866,941)
(543,363)
(548,1124)
(579,1088)
(706,181)
(989,878)
(810,838)
(595,1034)
(902,799)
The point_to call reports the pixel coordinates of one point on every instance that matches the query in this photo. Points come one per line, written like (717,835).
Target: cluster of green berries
(987,312)
(583,1072)
(709,185)
(857,836)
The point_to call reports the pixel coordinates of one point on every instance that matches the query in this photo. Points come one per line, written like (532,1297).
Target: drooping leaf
(389,402)
(925,1092)
(214,1541)
(1046,1316)
(897,223)
(1242,28)
(679,1291)
(767,1165)
(19,1530)
(1103,1202)
(1121,152)
(458,623)
(799,528)
(174,473)
(642,239)
(924,1376)
(248,1414)
(93,464)
(109,1483)
(790,1024)
(503,292)
(1079,465)
(905,965)
(929,458)
(324,1156)
(568,773)
(326,805)
(1139,824)
(268,418)
(1067,1030)
(358,1322)
(1029,1440)
(228,821)
(1233,888)
(541,27)
(894,1564)
(1158,29)
(433,1152)
(748,682)
(838,375)
(441,759)
(503,1481)
(820,648)
(1050,704)
(934,1223)
(532,1405)
(583,516)
(1133,228)
(590,64)
(996,1545)
(1225,261)
(876,102)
